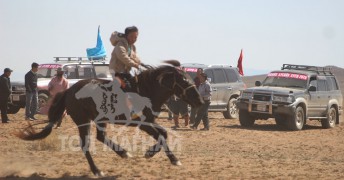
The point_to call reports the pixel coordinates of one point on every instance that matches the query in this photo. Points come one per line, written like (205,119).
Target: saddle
(126,81)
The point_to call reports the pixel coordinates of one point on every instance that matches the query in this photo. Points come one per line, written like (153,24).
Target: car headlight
(278,98)
(246,95)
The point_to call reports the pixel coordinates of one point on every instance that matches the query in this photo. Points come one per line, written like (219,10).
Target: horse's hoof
(127,155)
(99,174)
(148,155)
(177,163)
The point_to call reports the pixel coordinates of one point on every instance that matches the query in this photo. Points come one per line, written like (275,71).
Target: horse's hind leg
(159,134)
(101,136)
(84,132)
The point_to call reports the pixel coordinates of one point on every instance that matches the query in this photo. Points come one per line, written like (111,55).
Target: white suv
(76,69)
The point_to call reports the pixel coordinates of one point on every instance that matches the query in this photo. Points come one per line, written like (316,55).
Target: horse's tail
(57,107)
(55,113)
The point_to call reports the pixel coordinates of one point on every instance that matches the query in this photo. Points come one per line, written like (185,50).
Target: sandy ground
(227,151)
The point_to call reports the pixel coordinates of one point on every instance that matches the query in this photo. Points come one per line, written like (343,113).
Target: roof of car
(204,66)
(309,73)
(306,69)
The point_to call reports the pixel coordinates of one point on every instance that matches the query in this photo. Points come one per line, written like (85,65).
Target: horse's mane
(172,62)
(148,74)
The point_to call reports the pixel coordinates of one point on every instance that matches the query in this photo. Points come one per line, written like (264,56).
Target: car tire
(281,121)
(232,110)
(12,109)
(42,100)
(330,121)
(245,119)
(297,120)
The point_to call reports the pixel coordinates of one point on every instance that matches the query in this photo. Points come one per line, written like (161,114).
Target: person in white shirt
(202,113)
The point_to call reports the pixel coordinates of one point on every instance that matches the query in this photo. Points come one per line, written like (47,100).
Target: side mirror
(209,80)
(312,88)
(257,83)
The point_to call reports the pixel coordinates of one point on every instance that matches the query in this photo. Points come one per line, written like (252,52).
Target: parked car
(17,97)
(226,83)
(76,68)
(291,96)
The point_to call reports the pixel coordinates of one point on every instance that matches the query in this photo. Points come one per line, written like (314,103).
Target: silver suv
(226,84)
(291,96)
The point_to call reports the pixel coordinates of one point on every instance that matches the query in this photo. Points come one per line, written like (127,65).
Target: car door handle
(214,89)
(229,88)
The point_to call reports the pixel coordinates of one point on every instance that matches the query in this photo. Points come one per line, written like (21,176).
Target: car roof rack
(324,70)
(220,65)
(80,59)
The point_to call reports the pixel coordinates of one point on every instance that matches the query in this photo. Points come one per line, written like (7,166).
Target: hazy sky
(270,32)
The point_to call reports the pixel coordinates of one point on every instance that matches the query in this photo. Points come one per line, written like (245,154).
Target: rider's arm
(122,55)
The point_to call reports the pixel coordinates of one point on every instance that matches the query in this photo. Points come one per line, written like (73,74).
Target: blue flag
(97,52)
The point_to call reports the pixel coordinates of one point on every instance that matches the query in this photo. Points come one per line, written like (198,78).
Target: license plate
(261,107)
(15,98)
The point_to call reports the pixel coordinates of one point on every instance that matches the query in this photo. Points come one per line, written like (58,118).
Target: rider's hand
(141,68)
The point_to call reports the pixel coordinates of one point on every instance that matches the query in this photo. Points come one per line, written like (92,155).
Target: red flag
(239,66)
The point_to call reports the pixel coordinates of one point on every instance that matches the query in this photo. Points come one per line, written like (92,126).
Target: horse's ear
(173,62)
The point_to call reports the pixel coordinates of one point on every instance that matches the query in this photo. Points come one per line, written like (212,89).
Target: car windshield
(282,79)
(192,72)
(47,70)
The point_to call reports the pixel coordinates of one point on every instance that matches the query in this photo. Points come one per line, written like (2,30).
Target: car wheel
(297,120)
(232,110)
(42,100)
(330,121)
(246,119)
(12,109)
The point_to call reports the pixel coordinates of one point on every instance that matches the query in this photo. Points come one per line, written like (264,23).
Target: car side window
(85,72)
(231,75)
(210,75)
(332,84)
(102,71)
(70,71)
(321,85)
(219,76)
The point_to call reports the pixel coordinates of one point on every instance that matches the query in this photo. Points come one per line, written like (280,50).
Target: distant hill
(250,80)
(339,72)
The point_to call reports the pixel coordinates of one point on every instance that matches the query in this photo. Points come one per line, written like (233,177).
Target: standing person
(31,92)
(202,113)
(5,92)
(178,106)
(197,83)
(124,55)
(57,84)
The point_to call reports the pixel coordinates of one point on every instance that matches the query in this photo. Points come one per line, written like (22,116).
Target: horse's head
(180,84)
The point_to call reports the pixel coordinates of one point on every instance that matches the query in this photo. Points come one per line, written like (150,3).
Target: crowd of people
(123,59)
(177,106)
(57,84)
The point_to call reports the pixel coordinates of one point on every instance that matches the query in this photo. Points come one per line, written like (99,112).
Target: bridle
(175,84)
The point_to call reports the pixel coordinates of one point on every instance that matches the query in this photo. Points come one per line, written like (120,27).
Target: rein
(161,77)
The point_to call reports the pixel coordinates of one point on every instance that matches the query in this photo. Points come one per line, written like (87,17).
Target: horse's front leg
(101,136)
(84,132)
(159,133)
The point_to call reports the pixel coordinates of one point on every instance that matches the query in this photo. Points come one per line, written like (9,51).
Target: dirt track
(227,151)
